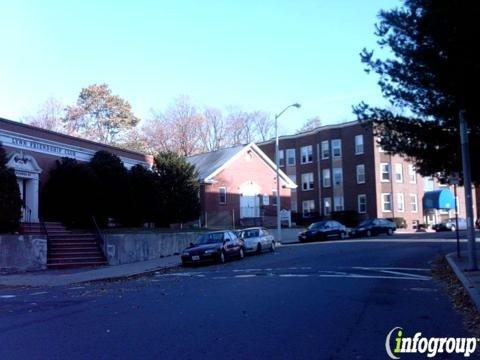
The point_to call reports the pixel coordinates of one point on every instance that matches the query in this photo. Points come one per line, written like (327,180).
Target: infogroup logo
(397,343)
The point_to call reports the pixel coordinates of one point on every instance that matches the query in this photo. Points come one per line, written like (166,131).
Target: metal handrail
(100,237)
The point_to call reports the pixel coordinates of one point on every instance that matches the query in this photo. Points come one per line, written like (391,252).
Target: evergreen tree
(430,73)
(178,187)
(112,191)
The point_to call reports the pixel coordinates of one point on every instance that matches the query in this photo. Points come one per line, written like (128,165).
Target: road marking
(245,276)
(294,275)
(423,289)
(390,268)
(38,293)
(76,288)
(7,296)
(358,276)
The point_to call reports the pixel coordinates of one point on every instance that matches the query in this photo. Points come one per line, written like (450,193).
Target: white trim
(314,131)
(389,172)
(357,173)
(54,148)
(288,182)
(383,202)
(364,196)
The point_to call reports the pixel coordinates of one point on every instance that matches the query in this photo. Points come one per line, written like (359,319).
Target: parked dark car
(323,230)
(217,246)
(450,225)
(371,227)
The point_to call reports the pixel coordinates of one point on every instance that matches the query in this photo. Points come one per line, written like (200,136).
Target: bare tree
(49,116)
(213,130)
(310,124)
(263,124)
(178,129)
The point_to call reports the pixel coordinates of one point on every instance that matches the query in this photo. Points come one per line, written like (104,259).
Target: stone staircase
(67,249)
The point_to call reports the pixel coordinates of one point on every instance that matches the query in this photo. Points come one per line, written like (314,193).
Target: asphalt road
(308,301)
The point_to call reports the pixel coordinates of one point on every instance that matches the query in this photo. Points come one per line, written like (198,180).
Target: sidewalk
(469,279)
(74,276)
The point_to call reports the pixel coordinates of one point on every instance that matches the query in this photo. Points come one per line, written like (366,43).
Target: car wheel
(272,246)
(369,233)
(343,235)
(389,232)
(221,257)
(259,248)
(241,253)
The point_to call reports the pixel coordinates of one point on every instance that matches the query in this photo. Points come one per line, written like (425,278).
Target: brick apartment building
(341,167)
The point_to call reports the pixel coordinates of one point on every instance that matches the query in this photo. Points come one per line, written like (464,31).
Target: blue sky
(255,55)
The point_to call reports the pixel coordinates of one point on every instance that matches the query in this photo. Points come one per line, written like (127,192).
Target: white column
(32,194)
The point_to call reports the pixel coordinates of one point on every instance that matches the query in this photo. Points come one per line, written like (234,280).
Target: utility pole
(467,183)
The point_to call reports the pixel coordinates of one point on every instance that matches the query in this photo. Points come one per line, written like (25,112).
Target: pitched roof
(208,163)
(211,163)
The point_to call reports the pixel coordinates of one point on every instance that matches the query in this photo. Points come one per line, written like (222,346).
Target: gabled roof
(211,163)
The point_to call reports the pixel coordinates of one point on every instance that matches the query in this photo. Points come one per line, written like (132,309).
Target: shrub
(178,187)
(112,187)
(10,200)
(69,195)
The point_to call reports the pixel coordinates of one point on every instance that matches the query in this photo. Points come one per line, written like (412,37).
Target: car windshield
(317,225)
(209,238)
(365,222)
(250,233)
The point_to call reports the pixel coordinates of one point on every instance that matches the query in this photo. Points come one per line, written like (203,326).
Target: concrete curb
(467,284)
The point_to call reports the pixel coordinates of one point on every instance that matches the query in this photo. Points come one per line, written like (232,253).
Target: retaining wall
(133,247)
(20,253)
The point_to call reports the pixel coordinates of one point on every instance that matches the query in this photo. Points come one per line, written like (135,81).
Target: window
(414,202)
(361,174)
(336,148)
(308,207)
(327,206)
(358,144)
(385,171)
(386,202)
(337,176)
(399,173)
(281,158)
(412,174)
(266,200)
(307,181)
(274,197)
(291,157)
(293,204)
(428,184)
(338,203)
(400,202)
(222,192)
(325,150)
(326,179)
(306,153)
(294,179)
(362,203)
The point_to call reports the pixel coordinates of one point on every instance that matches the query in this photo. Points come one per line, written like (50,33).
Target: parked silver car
(257,239)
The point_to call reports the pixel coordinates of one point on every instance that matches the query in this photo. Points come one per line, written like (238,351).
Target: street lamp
(277,163)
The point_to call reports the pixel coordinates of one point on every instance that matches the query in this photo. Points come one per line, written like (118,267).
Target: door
(21,187)
(249,206)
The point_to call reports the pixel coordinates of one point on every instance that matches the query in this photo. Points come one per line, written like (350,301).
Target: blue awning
(439,199)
